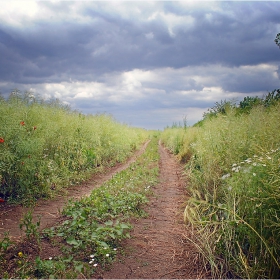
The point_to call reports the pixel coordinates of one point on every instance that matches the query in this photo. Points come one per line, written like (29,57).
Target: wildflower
(50,258)
(254,174)
(95,265)
(236,169)
(268,157)
(234,165)
(115,249)
(254,164)
(91,256)
(2,140)
(230,188)
(90,262)
(225,176)
(264,165)
(22,123)
(107,255)
(20,254)
(34,127)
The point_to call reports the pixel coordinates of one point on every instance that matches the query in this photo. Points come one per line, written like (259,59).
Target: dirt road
(159,248)
(49,210)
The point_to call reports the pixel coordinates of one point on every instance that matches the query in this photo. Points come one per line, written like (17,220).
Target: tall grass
(45,146)
(234,186)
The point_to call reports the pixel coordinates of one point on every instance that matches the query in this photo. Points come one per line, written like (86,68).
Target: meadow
(45,146)
(232,159)
(232,163)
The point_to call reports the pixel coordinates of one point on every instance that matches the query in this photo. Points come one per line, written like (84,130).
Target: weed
(30,228)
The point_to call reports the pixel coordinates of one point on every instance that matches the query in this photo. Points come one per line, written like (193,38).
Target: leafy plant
(30,228)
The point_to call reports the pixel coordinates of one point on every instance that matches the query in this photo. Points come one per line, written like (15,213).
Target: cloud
(150,58)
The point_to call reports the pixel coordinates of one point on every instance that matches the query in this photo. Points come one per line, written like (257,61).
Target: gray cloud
(146,57)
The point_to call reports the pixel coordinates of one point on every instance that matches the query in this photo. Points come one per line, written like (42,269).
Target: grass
(46,146)
(93,227)
(234,180)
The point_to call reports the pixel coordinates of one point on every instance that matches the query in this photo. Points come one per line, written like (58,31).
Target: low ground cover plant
(45,146)
(234,178)
(89,236)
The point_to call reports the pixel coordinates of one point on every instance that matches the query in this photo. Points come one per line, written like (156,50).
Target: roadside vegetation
(45,146)
(89,236)
(232,160)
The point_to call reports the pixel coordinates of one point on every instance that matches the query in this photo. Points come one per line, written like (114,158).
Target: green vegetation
(93,227)
(233,169)
(45,146)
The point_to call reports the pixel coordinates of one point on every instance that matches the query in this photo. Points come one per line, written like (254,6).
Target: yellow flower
(20,254)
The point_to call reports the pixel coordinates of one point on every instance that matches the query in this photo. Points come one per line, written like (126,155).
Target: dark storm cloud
(110,42)
(122,56)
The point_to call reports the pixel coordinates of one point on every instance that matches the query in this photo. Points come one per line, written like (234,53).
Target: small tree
(277,40)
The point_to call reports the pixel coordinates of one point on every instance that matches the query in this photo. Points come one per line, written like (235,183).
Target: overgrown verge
(91,231)
(45,146)
(233,171)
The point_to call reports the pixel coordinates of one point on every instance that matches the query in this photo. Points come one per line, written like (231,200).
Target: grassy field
(45,146)
(233,159)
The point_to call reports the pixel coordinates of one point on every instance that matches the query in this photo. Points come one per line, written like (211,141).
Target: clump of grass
(234,186)
(45,146)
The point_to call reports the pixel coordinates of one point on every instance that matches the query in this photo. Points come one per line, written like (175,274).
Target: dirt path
(49,210)
(159,247)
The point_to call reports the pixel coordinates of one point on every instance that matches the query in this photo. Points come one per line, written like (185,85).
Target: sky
(148,64)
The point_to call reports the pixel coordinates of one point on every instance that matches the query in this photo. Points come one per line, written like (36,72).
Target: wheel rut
(49,210)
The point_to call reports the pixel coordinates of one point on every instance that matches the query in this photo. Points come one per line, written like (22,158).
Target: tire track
(158,247)
(49,210)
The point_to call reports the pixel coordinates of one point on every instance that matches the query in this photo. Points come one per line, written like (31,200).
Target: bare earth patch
(159,247)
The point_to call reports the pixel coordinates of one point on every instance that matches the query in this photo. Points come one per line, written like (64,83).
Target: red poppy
(22,123)
(2,140)
(2,200)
